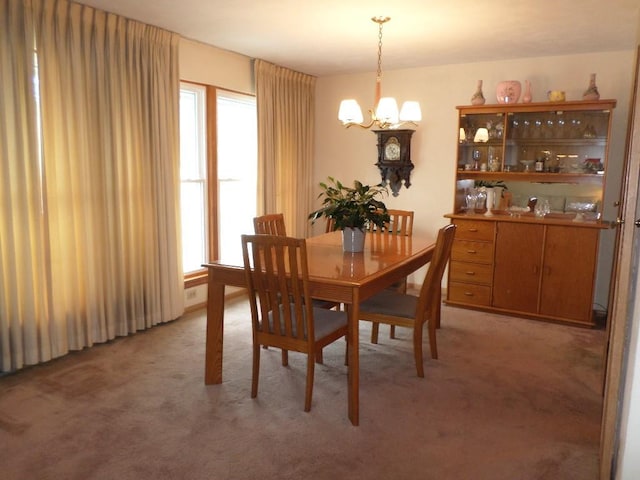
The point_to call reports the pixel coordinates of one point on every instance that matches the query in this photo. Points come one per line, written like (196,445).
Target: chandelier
(384,114)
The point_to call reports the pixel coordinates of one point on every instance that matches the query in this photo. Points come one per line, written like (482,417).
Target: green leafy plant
(355,207)
(490,184)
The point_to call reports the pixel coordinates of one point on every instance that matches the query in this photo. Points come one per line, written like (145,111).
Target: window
(237,170)
(193,176)
(230,178)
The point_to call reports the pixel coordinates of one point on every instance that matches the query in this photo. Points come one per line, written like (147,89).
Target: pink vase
(478,97)
(508,91)
(526,98)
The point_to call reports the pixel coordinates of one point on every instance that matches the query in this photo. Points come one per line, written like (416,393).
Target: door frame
(621,296)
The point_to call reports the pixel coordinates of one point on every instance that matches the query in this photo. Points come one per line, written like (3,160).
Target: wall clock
(394,158)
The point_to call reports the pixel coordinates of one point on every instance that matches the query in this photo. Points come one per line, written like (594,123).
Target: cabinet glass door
(480,141)
(572,142)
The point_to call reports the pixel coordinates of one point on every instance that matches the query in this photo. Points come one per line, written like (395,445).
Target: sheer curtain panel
(285,103)
(89,227)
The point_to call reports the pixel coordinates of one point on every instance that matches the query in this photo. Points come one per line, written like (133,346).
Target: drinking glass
(542,207)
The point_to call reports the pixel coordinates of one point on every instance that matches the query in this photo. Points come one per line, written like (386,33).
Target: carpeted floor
(508,399)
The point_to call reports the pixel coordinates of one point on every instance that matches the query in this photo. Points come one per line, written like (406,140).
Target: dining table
(334,275)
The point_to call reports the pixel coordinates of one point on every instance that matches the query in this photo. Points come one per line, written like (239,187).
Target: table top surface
(381,252)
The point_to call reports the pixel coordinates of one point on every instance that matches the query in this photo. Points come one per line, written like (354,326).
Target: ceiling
(329,37)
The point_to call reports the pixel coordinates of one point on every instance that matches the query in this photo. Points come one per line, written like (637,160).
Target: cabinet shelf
(577,178)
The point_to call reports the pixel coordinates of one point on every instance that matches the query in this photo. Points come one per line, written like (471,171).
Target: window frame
(200,276)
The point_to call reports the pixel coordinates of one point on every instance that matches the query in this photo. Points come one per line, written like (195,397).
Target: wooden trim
(195,308)
(212,172)
(538,106)
(194,279)
(620,297)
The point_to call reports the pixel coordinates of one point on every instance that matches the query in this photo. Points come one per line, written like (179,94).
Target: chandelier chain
(379,73)
(380,21)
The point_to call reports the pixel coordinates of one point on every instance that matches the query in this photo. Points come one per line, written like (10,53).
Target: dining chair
(273,224)
(406,310)
(400,223)
(330,225)
(282,311)
(270,224)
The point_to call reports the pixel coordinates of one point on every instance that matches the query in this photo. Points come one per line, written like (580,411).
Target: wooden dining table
(334,275)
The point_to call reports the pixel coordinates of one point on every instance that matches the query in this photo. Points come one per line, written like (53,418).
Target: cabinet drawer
(474,230)
(469,293)
(467,251)
(471,273)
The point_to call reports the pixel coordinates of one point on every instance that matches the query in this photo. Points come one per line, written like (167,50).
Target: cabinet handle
(470,273)
(471,251)
(473,229)
(469,294)
(535,269)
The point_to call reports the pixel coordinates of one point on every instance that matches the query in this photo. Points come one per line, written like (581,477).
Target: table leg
(353,372)
(215,322)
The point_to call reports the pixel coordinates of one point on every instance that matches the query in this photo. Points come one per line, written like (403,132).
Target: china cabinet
(534,251)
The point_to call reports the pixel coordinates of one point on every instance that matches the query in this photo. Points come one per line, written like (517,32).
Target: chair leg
(417,350)
(374,332)
(392,332)
(431,325)
(309,389)
(319,358)
(346,351)
(255,374)
(285,358)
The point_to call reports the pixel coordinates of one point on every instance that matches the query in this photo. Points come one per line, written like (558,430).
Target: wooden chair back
(277,278)
(282,311)
(404,310)
(330,226)
(401,223)
(428,307)
(270,224)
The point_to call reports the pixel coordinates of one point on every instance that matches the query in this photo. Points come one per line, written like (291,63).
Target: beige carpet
(508,399)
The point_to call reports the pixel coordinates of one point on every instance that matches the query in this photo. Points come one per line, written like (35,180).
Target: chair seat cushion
(390,302)
(325,321)
(328,321)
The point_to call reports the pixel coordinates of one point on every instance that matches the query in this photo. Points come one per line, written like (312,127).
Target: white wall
(349,154)
(203,63)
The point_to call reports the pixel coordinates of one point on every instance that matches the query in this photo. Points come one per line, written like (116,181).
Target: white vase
(352,239)
(490,200)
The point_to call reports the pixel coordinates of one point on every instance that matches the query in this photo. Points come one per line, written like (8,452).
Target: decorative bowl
(508,91)
(556,96)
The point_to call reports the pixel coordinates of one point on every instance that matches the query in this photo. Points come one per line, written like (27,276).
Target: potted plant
(352,210)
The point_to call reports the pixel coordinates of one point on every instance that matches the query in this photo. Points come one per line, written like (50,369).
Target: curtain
(89,227)
(285,104)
